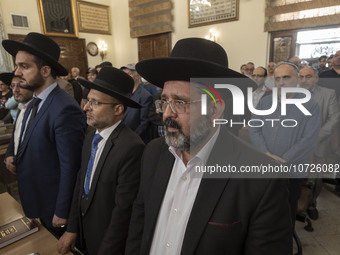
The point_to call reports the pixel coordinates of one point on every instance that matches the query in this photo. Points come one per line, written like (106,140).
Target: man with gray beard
(180,210)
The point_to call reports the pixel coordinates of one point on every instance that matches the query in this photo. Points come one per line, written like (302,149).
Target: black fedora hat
(113,82)
(190,58)
(6,78)
(40,46)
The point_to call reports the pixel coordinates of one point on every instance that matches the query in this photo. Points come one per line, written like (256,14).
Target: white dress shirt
(18,124)
(43,96)
(178,201)
(105,134)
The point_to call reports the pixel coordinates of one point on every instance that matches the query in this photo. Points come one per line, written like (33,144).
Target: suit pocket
(222,238)
(222,230)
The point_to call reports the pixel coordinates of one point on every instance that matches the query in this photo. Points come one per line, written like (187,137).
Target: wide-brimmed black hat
(113,82)
(6,78)
(40,46)
(190,58)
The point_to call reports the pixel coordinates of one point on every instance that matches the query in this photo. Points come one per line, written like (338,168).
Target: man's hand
(9,161)
(58,222)
(277,158)
(66,242)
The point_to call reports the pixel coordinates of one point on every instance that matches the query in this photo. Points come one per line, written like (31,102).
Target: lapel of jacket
(317,94)
(209,192)
(157,191)
(107,148)
(39,115)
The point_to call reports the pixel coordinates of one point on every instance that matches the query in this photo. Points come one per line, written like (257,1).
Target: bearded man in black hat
(109,177)
(182,210)
(53,129)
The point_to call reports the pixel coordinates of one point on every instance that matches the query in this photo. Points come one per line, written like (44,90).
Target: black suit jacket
(229,216)
(104,222)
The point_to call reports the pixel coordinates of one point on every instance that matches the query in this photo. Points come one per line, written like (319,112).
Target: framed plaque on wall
(204,12)
(58,17)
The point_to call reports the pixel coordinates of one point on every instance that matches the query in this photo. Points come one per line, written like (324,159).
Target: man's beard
(36,83)
(182,142)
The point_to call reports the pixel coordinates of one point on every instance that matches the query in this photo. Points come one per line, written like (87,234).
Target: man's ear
(45,71)
(119,109)
(216,111)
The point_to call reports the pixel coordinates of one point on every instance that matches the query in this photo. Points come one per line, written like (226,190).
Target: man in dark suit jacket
(101,216)
(52,133)
(329,109)
(137,119)
(179,209)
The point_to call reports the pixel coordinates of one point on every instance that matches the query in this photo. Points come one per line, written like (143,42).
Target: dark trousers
(294,195)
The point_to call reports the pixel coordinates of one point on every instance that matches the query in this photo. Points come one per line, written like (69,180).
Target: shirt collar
(43,95)
(108,131)
(22,106)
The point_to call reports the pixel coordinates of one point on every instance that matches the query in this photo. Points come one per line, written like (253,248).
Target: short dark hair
(322,57)
(265,71)
(40,63)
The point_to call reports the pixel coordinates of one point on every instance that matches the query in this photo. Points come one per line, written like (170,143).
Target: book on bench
(16,230)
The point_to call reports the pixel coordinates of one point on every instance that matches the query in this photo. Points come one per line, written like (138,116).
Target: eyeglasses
(13,85)
(257,76)
(94,104)
(177,106)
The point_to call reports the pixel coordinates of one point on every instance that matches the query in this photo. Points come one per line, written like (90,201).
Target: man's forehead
(259,70)
(178,89)
(307,71)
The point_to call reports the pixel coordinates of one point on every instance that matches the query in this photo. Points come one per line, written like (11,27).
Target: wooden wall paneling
(154,46)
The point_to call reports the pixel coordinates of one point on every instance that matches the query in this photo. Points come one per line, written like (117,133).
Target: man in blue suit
(53,129)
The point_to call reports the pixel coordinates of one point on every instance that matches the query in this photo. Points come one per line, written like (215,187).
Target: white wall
(244,40)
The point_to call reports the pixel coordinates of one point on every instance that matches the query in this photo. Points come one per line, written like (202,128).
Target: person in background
(270,81)
(330,114)
(287,145)
(322,63)
(6,93)
(137,118)
(330,62)
(243,69)
(249,69)
(23,97)
(259,76)
(12,103)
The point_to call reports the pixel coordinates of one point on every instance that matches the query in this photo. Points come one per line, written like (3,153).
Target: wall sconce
(102,49)
(212,36)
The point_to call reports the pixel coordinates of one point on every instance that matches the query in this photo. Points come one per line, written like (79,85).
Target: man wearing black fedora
(52,133)
(108,180)
(182,210)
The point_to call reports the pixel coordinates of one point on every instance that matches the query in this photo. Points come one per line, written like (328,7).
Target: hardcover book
(16,230)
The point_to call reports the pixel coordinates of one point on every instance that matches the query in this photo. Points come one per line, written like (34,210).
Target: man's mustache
(168,122)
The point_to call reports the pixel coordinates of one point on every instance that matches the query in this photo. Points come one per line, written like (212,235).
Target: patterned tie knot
(96,139)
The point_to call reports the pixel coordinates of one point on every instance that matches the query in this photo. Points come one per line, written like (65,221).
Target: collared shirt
(18,124)
(258,95)
(178,201)
(105,134)
(43,96)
